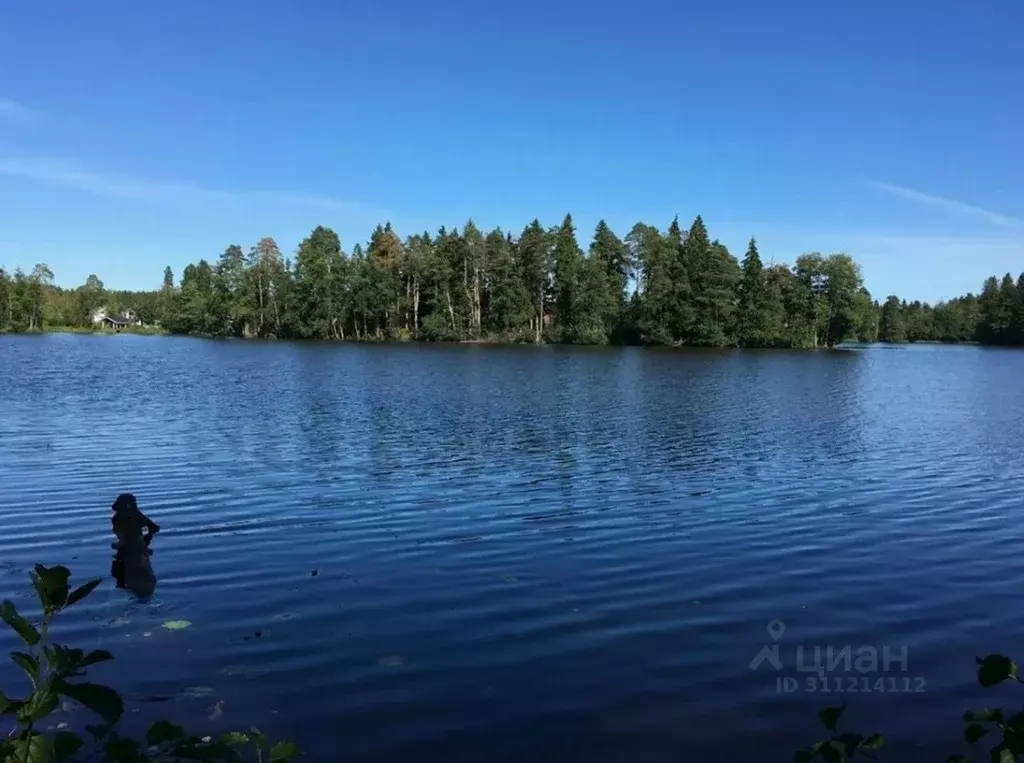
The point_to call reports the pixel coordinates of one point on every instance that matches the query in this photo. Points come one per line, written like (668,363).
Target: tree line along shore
(655,287)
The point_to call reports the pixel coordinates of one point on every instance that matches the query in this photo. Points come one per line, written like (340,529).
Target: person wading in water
(131,567)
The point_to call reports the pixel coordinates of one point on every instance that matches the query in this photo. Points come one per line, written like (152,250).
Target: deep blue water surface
(525,554)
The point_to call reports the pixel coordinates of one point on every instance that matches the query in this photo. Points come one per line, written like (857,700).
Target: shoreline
(480,342)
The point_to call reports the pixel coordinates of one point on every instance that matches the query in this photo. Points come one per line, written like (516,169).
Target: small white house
(100,317)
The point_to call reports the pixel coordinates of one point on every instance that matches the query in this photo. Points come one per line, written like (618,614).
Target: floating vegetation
(177,625)
(241,670)
(195,692)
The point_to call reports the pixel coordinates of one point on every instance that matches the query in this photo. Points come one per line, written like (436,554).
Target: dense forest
(671,287)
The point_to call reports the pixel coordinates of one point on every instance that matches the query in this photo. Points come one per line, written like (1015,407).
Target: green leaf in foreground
(124,751)
(1003,755)
(21,626)
(830,716)
(94,657)
(82,591)
(28,663)
(282,752)
(873,742)
(66,744)
(235,737)
(985,715)
(164,731)
(258,738)
(994,669)
(98,732)
(40,704)
(102,700)
(51,584)
(974,732)
(33,749)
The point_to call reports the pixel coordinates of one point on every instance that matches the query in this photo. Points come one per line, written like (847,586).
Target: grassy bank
(143,330)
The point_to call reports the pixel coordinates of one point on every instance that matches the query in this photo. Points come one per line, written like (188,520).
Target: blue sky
(135,135)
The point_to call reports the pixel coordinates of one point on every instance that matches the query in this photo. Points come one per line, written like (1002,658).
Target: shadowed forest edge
(654,288)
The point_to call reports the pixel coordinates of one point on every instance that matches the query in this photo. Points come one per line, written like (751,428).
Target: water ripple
(409,553)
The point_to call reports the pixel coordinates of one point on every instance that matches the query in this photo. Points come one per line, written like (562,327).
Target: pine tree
(713,274)
(263,297)
(229,288)
(611,257)
(474,278)
(1017,323)
(385,255)
(535,265)
(5,301)
(753,295)
(508,307)
(678,255)
(568,264)
(419,253)
(654,259)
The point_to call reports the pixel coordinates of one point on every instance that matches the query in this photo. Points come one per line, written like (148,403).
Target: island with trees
(655,287)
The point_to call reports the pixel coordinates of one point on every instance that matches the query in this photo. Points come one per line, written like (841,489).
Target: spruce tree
(753,293)
(568,263)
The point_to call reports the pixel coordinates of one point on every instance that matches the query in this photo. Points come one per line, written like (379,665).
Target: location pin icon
(775,629)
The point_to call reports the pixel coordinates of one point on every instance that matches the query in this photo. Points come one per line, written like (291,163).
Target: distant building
(100,317)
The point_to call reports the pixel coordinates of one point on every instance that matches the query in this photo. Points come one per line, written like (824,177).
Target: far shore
(482,341)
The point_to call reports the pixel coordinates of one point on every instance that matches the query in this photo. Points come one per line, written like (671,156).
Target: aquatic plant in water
(55,670)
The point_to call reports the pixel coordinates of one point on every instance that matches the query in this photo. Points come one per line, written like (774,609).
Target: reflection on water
(521,553)
(133,570)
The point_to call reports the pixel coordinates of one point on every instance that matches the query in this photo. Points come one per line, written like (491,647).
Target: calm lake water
(525,553)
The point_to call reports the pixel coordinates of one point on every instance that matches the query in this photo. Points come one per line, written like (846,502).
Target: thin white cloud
(12,111)
(949,205)
(67,175)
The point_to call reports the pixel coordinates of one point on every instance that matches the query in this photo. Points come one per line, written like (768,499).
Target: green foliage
(568,266)
(55,670)
(658,287)
(839,748)
(1004,729)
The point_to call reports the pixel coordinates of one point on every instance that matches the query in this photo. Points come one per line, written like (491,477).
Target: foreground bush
(54,670)
(1008,728)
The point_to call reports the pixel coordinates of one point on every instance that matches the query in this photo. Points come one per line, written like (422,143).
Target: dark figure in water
(131,567)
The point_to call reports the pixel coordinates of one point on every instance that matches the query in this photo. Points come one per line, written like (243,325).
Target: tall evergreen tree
(1017,322)
(611,258)
(5,301)
(229,292)
(568,264)
(688,290)
(474,276)
(681,303)
(263,296)
(655,260)
(534,252)
(713,275)
(509,308)
(753,301)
